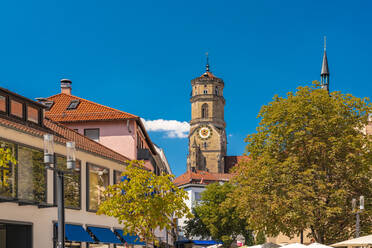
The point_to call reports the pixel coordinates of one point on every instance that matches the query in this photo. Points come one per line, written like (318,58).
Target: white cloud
(172,128)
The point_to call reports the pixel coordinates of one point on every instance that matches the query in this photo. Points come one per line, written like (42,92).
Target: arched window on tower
(204,110)
(216,90)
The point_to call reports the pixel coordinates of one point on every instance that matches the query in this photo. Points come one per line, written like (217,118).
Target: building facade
(121,131)
(28,212)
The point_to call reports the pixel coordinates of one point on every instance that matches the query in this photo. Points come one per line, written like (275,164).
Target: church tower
(207,138)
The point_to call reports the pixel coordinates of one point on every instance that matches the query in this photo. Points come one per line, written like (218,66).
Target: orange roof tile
(85,111)
(201,177)
(63,134)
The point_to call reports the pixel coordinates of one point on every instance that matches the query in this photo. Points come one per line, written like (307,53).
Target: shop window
(97,181)
(16,108)
(31,175)
(92,133)
(72,183)
(32,114)
(2,103)
(8,173)
(15,235)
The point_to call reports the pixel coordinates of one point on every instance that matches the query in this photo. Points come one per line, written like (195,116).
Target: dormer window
(2,103)
(48,104)
(73,104)
(16,108)
(32,114)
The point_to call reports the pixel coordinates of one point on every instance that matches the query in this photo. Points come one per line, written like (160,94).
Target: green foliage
(144,202)
(195,227)
(309,158)
(260,238)
(215,218)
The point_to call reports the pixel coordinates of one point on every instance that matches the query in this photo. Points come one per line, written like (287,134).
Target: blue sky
(139,56)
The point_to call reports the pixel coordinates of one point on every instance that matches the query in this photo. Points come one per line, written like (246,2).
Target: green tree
(216,218)
(309,158)
(144,201)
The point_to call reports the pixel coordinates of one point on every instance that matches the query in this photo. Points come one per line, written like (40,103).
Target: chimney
(66,86)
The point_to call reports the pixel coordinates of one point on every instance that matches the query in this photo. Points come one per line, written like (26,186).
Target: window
(117,176)
(32,114)
(204,111)
(16,108)
(72,183)
(197,196)
(48,104)
(2,103)
(205,91)
(73,104)
(92,133)
(8,173)
(205,145)
(32,180)
(216,90)
(97,181)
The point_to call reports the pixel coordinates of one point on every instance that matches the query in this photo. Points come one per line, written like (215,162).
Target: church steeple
(324,74)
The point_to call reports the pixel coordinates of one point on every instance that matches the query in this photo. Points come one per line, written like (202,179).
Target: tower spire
(324,74)
(207,65)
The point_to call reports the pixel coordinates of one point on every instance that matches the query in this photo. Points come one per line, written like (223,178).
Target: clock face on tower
(205,132)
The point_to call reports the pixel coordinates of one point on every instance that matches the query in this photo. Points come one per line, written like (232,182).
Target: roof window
(48,104)
(73,104)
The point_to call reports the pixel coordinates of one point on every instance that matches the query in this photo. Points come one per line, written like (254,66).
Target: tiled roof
(201,177)
(63,134)
(208,74)
(85,111)
(231,161)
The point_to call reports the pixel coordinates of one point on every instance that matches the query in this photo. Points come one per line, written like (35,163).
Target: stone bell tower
(207,138)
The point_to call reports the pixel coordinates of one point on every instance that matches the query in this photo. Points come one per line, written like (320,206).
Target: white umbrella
(317,245)
(294,245)
(253,246)
(361,241)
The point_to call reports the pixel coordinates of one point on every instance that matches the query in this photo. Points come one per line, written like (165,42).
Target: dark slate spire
(324,74)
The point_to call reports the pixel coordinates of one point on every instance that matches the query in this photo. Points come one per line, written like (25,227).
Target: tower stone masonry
(207,138)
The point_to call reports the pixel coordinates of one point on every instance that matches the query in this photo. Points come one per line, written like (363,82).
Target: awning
(77,233)
(205,242)
(104,235)
(130,239)
(361,241)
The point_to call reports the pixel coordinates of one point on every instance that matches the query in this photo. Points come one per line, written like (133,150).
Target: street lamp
(49,161)
(357,213)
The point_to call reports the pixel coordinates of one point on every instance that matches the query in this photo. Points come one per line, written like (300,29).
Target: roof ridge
(101,105)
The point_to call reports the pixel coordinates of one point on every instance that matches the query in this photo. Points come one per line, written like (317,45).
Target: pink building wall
(113,134)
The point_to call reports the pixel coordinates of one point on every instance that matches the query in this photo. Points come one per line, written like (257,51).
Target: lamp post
(49,162)
(357,212)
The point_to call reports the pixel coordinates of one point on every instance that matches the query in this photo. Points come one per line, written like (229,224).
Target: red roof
(201,177)
(85,111)
(231,161)
(63,134)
